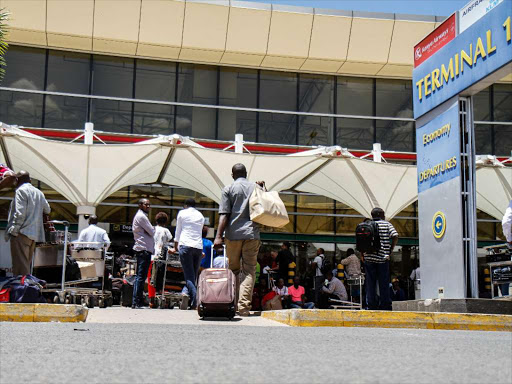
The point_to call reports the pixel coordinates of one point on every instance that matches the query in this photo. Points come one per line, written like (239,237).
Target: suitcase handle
(225,257)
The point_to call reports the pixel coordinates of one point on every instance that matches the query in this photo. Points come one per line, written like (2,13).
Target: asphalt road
(215,353)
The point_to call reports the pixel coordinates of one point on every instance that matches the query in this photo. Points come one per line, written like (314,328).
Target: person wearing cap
(94,234)
(397,293)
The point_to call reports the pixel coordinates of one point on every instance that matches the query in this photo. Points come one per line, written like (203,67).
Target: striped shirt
(386,232)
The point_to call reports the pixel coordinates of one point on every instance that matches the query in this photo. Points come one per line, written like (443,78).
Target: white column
(89,133)
(81,212)
(377,153)
(239,143)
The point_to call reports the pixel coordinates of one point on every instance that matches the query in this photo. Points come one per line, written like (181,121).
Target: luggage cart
(170,295)
(76,291)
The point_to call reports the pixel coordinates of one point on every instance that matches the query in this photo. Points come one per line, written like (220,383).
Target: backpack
(326,266)
(368,237)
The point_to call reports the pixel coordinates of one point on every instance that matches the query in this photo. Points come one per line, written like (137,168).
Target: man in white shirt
(189,242)
(317,264)
(93,234)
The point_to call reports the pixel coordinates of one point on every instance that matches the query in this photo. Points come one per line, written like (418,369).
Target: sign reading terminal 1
(484,48)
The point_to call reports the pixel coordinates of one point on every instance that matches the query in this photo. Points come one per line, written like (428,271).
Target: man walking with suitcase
(242,235)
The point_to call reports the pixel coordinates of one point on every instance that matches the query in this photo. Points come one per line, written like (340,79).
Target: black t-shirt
(284,257)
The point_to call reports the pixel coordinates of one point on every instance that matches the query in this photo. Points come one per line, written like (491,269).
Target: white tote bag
(267,208)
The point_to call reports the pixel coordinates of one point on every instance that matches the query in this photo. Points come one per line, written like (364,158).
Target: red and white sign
(436,40)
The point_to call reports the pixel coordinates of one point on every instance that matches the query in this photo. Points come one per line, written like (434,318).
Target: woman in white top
(162,239)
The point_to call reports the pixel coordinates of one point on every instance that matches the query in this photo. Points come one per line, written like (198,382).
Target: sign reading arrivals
(473,11)
(484,48)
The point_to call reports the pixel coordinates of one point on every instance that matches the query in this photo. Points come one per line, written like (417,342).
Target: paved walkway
(125,315)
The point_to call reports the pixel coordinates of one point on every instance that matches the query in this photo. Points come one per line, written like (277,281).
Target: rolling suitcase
(216,292)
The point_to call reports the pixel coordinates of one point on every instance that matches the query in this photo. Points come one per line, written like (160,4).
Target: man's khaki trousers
(242,256)
(22,251)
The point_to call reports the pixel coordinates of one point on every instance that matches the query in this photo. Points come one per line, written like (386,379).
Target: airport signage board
(436,40)
(473,11)
(483,48)
(438,150)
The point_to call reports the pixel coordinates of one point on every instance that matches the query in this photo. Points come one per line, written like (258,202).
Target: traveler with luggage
(319,264)
(25,223)
(376,239)
(242,235)
(162,240)
(189,243)
(144,247)
(94,234)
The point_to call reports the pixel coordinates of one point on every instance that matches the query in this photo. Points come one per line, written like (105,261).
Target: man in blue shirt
(207,250)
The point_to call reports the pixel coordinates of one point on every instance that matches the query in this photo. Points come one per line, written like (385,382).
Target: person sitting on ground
(93,234)
(397,293)
(259,292)
(163,238)
(7,177)
(282,291)
(351,263)
(298,295)
(335,288)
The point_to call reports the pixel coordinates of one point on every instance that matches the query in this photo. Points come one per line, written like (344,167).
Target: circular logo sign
(438,224)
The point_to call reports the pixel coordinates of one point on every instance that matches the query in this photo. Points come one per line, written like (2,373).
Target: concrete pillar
(82,211)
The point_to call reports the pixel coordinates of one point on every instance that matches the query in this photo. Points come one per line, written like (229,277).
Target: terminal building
(287,78)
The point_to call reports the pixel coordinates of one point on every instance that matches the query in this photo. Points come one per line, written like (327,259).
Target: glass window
(67,72)
(481,104)
(483,139)
(503,140)
(354,133)
(112,76)
(154,81)
(278,91)
(393,98)
(237,87)
(318,205)
(396,135)
(197,84)
(355,96)
(316,94)
(502,102)
(25,69)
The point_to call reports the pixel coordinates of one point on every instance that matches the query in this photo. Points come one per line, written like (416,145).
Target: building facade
(284,77)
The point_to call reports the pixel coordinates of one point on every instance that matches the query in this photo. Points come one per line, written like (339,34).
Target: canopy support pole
(377,153)
(6,154)
(83,213)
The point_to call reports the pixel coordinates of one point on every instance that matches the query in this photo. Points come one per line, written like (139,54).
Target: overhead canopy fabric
(87,174)
(364,185)
(494,189)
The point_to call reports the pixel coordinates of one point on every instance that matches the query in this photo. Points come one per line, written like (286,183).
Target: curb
(384,319)
(35,313)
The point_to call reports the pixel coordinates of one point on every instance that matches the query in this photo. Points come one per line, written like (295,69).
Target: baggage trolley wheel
(101,302)
(68,299)
(77,299)
(56,299)
(110,301)
(89,301)
(170,304)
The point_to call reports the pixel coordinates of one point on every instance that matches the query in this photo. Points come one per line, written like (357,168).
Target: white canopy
(87,174)
(493,186)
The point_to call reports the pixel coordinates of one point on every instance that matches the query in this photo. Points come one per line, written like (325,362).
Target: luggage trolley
(77,291)
(170,295)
